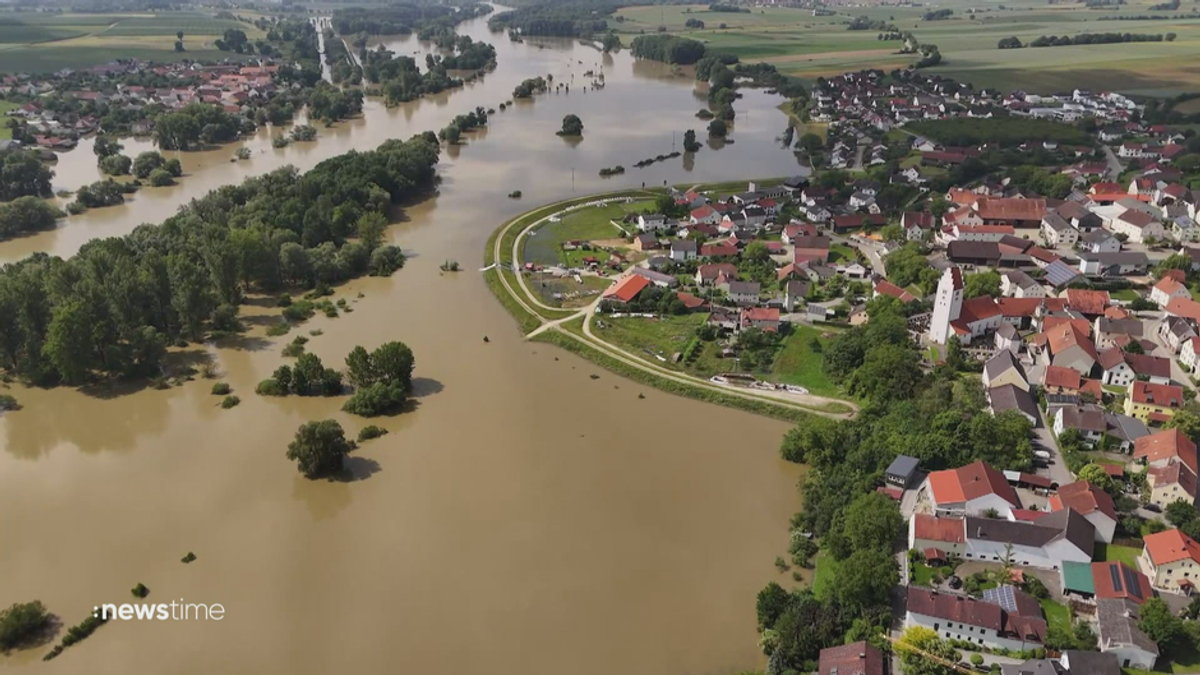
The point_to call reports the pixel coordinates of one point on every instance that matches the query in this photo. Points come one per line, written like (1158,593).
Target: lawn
(575,258)
(1110,552)
(841,253)
(922,575)
(827,568)
(797,363)
(1057,615)
(1124,294)
(659,338)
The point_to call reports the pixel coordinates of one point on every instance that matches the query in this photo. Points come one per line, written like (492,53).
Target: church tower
(948,305)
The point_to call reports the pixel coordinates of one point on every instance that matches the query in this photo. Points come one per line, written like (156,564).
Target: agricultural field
(37,42)
(813,46)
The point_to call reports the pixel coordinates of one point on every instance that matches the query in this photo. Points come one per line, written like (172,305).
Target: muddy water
(524,518)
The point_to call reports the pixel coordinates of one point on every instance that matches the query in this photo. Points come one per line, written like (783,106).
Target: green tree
(982,284)
(717,129)
(146,163)
(571,126)
(690,144)
(923,653)
(772,602)
(1096,475)
(871,522)
(161,178)
(319,449)
(106,146)
(69,345)
(888,373)
(1160,624)
(865,580)
(22,623)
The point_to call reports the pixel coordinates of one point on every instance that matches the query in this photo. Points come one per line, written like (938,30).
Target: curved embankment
(571,329)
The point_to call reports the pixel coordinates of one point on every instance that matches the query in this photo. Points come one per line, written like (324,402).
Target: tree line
(557,19)
(668,49)
(1098,39)
(112,310)
(401,80)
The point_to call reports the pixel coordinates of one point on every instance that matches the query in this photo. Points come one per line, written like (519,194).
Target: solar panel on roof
(1132,582)
(1003,596)
(1114,571)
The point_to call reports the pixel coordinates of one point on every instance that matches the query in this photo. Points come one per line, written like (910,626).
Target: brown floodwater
(522,519)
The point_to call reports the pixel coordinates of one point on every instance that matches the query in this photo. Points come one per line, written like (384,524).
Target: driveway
(1043,439)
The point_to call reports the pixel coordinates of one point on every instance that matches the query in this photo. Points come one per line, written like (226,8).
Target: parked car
(1041,454)
(955,582)
(1153,508)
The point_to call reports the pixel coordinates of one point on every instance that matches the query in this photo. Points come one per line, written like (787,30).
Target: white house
(1166,289)
(1120,636)
(652,222)
(971,489)
(1094,504)
(958,617)
(1137,226)
(1044,543)
(683,249)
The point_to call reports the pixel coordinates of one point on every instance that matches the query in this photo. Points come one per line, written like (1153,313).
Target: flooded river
(523,519)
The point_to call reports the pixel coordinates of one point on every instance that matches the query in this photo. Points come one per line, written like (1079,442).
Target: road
(1043,438)
(801,402)
(868,249)
(1114,164)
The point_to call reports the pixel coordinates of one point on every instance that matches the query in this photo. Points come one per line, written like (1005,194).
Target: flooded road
(523,519)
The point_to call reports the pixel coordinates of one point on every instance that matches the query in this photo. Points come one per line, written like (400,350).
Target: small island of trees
(571,126)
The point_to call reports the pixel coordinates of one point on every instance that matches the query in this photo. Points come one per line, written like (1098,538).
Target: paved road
(1114,164)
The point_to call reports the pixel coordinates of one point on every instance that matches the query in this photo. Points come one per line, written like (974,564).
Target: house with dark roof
(988,624)
(902,472)
(1010,397)
(1070,662)
(1004,368)
(1045,542)
(1120,636)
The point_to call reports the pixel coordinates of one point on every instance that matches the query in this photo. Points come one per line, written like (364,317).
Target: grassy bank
(670,386)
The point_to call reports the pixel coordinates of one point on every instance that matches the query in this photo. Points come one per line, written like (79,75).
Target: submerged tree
(571,126)
(320,448)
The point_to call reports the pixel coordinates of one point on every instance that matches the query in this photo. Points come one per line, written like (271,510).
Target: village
(63,107)
(1078,312)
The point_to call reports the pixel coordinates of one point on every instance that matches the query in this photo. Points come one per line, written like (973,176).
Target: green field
(645,337)
(38,42)
(811,46)
(797,364)
(922,575)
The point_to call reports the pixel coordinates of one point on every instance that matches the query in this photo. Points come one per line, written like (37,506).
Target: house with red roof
(1171,560)
(971,489)
(626,289)
(858,658)
(1166,290)
(1120,581)
(1153,403)
(885,287)
(1092,503)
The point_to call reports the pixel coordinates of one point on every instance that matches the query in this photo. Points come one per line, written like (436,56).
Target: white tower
(948,305)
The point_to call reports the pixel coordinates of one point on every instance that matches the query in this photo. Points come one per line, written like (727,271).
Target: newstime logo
(173,611)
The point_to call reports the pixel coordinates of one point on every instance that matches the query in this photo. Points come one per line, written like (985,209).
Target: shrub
(230,402)
(8,402)
(188,558)
(977,659)
(221,389)
(270,387)
(279,328)
(385,260)
(375,399)
(369,432)
(140,591)
(161,178)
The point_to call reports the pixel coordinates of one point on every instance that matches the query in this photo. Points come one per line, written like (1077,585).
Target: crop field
(46,41)
(813,46)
